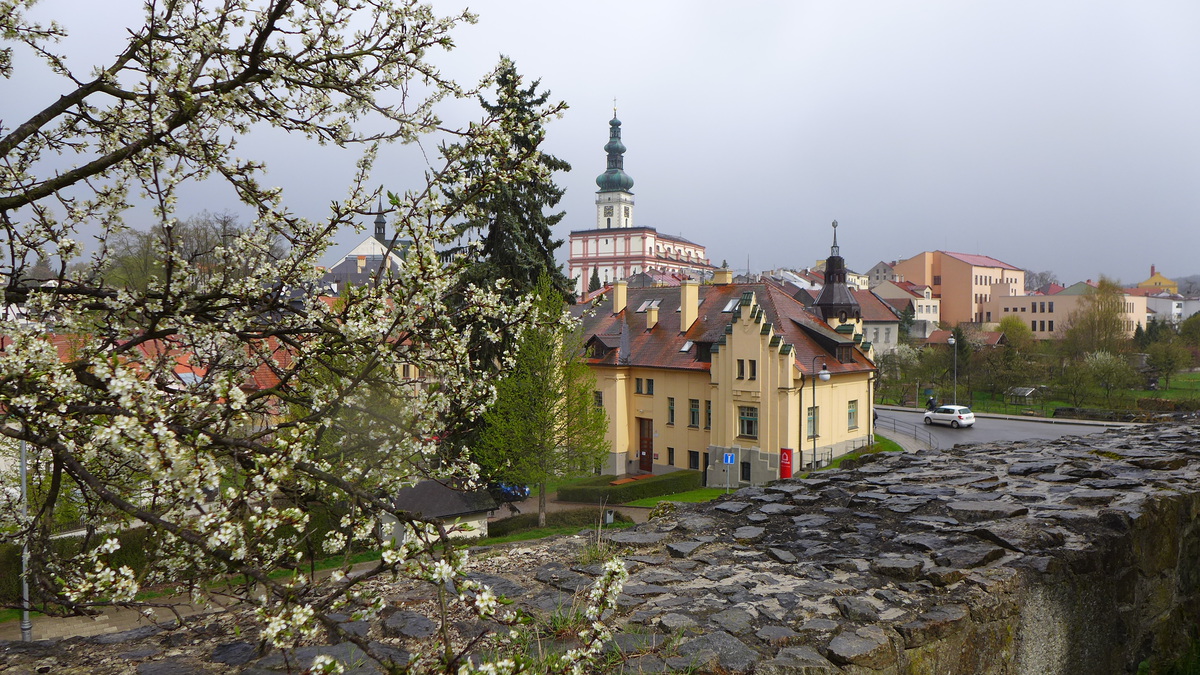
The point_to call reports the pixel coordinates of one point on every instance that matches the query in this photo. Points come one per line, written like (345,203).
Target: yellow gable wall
(778,391)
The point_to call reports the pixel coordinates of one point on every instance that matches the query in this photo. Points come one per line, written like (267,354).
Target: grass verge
(691,497)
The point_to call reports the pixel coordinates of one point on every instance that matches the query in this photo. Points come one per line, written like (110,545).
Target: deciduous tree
(167,410)
(1167,357)
(1098,325)
(1110,373)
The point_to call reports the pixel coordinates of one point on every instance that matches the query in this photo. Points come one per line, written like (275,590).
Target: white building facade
(616,248)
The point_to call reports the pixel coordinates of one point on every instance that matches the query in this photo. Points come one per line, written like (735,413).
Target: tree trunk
(542,504)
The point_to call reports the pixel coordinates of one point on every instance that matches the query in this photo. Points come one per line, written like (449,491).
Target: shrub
(601,490)
(585,517)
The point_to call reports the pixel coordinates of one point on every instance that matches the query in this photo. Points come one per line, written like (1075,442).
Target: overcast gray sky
(1058,135)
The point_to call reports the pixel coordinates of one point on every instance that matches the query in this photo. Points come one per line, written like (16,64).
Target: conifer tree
(545,423)
(594,284)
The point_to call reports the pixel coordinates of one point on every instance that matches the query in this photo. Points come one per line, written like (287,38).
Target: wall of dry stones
(1068,556)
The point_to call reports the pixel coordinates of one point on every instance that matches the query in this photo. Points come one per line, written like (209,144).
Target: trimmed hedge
(1168,404)
(132,553)
(582,517)
(138,545)
(600,490)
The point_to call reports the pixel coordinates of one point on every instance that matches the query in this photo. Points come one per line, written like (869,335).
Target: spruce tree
(508,216)
(594,284)
(511,219)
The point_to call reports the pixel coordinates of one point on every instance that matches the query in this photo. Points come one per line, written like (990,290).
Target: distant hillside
(1189,285)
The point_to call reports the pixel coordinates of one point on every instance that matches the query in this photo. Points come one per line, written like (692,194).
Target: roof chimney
(620,296)
(651,317)
(689,304)
(723,277)
(1152,270)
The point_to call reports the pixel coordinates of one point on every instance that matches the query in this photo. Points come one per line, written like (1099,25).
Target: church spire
(381,225)
(836,302)
(614,179)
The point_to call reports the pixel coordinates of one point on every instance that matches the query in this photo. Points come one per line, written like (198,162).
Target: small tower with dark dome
(835,302)
(614,201)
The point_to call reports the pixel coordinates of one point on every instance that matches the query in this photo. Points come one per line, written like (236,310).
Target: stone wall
(1079,555)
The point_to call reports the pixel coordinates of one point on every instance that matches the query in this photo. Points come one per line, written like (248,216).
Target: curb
(1024,418)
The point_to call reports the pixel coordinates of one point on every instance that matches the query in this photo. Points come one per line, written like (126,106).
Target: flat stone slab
(722,648)
(867,647)
(933,625)
(973,512)
(797,661)
(631,538)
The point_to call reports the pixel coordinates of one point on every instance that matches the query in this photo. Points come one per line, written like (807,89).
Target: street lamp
(951,341)
(824,375)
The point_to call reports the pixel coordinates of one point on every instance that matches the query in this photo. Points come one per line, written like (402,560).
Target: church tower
(835,302)
(614,201)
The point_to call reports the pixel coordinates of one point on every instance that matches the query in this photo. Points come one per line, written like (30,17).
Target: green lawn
(691,496)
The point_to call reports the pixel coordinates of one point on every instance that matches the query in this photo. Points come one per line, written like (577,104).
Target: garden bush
(585,517)
(600,490)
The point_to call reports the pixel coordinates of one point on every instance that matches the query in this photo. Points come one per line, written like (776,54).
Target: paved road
(988,429)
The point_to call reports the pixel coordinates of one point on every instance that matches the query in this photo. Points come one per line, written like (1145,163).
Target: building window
(404,370)
(989,317)
(637,386)
(708,414)
(649,386)
(753,369)
(671,456)
(887,334)
(1051,306)
(670,410)
(694,459)
(693,412)
(747,421)
(875,335)
(1043,325)
(598,398)
(741,369)
(1051,325)
(813,421)
(746,471)
(1033,325)
(852,415)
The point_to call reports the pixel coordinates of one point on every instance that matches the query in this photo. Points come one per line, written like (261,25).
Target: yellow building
(1157,280)
(721,378)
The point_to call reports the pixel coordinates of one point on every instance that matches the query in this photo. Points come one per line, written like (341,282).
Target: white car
(954,415)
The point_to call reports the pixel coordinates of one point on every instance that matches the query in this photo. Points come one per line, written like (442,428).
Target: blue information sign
(729,458)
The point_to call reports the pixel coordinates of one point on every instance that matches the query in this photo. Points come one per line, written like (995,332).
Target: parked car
(507,492)
(954,415)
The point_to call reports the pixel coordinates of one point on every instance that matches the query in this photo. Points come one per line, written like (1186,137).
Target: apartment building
(965,282)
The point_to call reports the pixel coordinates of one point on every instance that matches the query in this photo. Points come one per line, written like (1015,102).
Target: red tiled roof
(980,260)
(873,307)
(660,346)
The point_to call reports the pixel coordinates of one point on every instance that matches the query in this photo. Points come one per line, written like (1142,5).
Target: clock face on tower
(608,211)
